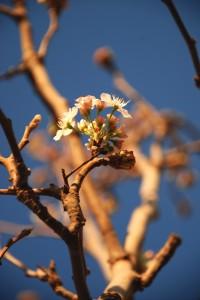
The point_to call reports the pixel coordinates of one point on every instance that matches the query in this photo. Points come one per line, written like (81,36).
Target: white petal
(58,135)
(73,111)
(125,113)
(106,98)
(67,131)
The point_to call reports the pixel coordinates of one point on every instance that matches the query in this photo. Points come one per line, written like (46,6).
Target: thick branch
(124,159)
(137,230)
(189,40)
(58,105)
(146,211)
(125,282)
(26,195)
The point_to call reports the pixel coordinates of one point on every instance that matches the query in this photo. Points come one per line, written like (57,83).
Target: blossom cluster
(100,125)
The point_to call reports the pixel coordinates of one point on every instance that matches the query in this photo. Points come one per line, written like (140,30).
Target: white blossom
(66,123)
(117,103)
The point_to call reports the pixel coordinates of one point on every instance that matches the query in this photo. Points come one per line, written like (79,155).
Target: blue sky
(154,58)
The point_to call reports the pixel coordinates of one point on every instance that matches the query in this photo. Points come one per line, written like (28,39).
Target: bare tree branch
(13,240)
(11,12)
(53,26)
(13,71)
(44,274)
(58,105)
(160,259)
(189,40)
(123,260)
(29,128)
(52,191)
(124,159)
(26,195)
(132,281)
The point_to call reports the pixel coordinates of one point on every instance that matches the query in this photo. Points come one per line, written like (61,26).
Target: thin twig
(53,27)
(44,274)
(13,71)
(52,191)
(28,129)
(192,147)
(19,172)
(11,12)
(189,40)
(7,127)
(13,240)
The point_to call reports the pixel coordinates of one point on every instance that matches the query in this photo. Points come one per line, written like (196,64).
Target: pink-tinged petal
(125,113)
(106,98)
(58,135)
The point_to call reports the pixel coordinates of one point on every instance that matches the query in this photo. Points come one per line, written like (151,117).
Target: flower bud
(104,57)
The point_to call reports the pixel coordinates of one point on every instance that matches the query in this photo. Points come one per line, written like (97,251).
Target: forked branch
(48,275)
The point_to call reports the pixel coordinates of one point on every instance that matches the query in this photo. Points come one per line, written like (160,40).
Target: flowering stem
(112,112)
(76,169)
(90,121)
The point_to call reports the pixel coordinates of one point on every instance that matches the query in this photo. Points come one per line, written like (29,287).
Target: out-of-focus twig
(44,274)
(103,55)
(192,147)
(132,281)
(95,245)
(11,12)
(160,259)
(147,210)
(53,26)
(13,71)
(13,240)
(189,40)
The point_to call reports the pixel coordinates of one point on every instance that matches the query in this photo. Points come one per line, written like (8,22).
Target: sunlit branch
(52,191)
(28,129)
(160,259)
(124,159)
(53,26)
